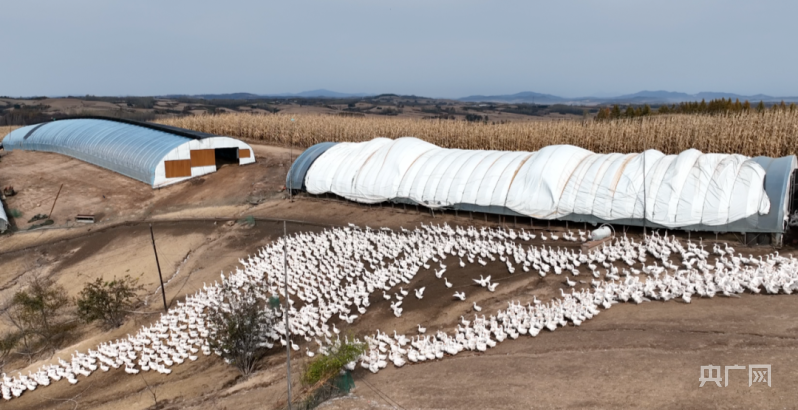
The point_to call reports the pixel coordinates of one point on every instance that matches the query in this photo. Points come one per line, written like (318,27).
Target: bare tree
(239,328)
(42,315)
(8,341)
(25,337)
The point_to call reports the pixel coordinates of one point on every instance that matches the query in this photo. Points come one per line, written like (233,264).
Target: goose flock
(334,273)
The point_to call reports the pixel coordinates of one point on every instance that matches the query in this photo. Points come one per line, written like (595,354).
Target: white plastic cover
(3,218)
(680,190)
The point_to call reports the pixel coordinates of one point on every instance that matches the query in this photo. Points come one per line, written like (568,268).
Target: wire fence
(336,387)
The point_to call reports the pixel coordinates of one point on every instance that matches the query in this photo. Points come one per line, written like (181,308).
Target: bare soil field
(630,356)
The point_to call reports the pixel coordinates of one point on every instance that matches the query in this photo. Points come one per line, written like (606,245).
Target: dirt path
(646,356)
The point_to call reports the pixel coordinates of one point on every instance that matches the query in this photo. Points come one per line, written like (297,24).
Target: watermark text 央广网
(757,373)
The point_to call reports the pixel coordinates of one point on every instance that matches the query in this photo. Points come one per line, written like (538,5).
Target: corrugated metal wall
(128,149)
(146,152)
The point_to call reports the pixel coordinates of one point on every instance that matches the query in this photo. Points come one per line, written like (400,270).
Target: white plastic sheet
(3,218)
(680,190)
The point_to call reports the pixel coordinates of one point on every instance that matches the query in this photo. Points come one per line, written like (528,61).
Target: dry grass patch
(4,130)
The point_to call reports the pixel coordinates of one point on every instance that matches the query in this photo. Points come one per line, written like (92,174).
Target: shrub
(566,109)
(247,221)
(475,118)
(324,367)
(42,314)
(8,341)
(108,302)
(240,325)
(15,213)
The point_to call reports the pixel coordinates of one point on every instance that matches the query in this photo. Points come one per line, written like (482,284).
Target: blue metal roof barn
(150,153)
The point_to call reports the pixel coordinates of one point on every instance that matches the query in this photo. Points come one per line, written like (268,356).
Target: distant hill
(231,96)
(660,96)
(321,93)
(706,95)
(526,97)
(676,97)
(642,97)
(522,97)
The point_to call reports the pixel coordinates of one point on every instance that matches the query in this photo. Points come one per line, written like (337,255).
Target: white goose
(420,292)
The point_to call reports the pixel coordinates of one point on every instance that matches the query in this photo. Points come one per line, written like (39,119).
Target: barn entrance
(226,156)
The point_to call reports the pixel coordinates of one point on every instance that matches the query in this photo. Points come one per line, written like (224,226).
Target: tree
(646,110)
(8,341)
(603,114)
(630,112)
(761,106)
(26,339)
(239,328)
(41,314)
(109,302)
(616,111)
(663,109)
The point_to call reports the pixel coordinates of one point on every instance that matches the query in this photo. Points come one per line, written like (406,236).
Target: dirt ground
(630,356)
(111,197)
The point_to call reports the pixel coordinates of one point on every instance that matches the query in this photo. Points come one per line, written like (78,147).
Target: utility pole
(287,306)
(50,215)
(158,264)
(291,161)
(645,194)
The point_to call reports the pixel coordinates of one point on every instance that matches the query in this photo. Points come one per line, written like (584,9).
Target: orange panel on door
(203,157)
(177,169)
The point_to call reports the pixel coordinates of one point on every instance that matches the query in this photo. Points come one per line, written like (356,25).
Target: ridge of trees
(713,107)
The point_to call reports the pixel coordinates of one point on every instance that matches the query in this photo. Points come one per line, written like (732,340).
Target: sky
(434,48)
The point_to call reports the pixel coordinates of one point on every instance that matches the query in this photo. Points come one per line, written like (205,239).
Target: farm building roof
(136,150)
(691,190)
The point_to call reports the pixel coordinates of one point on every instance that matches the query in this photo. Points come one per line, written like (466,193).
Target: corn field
(771,133)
